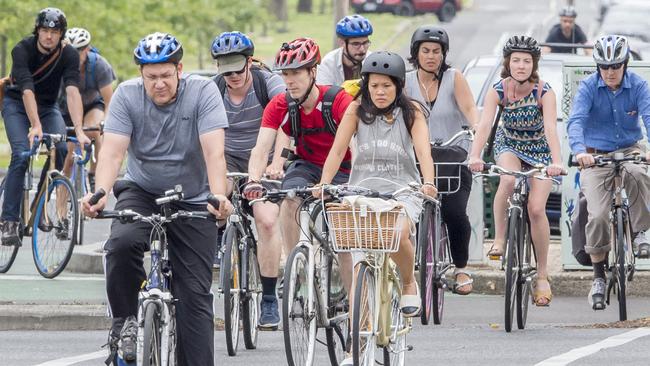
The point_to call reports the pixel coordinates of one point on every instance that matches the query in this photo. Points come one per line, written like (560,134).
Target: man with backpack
(96,90)
(246,87)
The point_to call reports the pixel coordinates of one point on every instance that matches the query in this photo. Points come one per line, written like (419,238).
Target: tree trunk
(323,6)
(305,6)
(3,57)
(340,10)
(279,8)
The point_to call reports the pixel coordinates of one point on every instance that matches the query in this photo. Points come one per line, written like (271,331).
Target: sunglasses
(613,67)
(231,73)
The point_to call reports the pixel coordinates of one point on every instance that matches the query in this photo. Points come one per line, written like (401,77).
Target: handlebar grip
(97,196)
(487,166)
(573,162)
(214,201)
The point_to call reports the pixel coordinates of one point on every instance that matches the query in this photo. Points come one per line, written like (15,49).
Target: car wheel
(447,12)
(405,9)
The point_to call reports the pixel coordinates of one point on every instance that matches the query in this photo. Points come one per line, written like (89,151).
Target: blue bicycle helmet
(353,26)
(228,43)
(158,48)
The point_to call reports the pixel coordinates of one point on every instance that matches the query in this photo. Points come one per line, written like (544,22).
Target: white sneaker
(347,361)
(641,245)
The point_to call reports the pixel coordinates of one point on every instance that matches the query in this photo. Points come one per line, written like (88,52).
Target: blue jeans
(17,126)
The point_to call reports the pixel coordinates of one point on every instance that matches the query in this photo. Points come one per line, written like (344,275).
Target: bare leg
(92,119)
(405,260)
(269,247)
(289,221)
(506,186)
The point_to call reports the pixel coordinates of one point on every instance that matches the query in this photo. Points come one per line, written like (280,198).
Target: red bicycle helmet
(299,53)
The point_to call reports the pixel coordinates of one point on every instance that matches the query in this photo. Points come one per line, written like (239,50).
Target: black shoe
(597,294)
(91,181)
(62,230)
(128,339)
(10,233)
(216,263)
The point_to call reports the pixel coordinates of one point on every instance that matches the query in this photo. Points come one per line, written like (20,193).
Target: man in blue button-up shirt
(604,120)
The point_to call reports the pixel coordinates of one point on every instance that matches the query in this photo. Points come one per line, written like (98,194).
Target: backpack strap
(259,85)
(221,84)
(326,110)
(90,66)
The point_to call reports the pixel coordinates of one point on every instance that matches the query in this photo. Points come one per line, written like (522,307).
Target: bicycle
(377,319)
(156,339)
(50,219)
(433,252)
(519,251)
(621,257)
(240,281)
(313,296)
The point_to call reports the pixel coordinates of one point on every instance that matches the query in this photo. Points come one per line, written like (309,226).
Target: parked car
(444,9)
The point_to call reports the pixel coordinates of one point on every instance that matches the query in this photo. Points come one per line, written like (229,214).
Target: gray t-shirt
(165,149)
(245,118)
(97,74)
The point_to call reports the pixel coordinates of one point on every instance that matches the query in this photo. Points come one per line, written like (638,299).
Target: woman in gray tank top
(451,106)
(390,132)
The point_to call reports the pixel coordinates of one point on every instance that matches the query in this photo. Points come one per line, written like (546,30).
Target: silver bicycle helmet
(610,50)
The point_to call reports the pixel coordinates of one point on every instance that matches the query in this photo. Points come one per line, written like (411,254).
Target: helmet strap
(302,99)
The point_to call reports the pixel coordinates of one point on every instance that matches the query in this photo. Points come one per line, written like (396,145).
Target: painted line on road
(578,353)
(75,359)
(39,278)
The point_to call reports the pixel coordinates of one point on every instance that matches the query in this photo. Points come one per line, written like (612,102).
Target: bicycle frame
(518,205)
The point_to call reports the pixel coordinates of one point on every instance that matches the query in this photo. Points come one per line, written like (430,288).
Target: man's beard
(47,49)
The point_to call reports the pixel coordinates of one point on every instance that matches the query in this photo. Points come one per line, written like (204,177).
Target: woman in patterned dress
(527,136)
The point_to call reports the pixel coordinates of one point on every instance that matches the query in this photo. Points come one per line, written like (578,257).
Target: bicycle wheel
(336,335)
(80,190)
(620,268)
(441,260)
(394,353)
(7,253)
(231,291)
(172,356)
(251,303)
(511,267)
(152,335)
(523,286)
(298,323)
(364,315)
(55,227)
(426,242)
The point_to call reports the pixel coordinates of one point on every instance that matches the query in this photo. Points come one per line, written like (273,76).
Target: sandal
(462,284)
(495,252)
(542,298)
(410,304)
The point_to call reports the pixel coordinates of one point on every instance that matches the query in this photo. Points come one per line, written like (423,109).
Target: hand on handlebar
(585,160)
(82,138)
(35,134)
(555,170)
(90,209)
(253,190)
(274,172)
(225,207)
(429,189)
(476,164)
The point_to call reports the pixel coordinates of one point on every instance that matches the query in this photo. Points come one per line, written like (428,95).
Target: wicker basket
(362,229)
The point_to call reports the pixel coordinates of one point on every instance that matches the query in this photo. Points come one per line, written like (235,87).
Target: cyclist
(449,99)
(40,65)
(527,136)
(233,52)
(344,63)
(172,126)
(604,120)
(96,90)
(566,31)
(297,61)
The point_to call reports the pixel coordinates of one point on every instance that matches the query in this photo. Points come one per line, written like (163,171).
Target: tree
(305,6)
(279,8)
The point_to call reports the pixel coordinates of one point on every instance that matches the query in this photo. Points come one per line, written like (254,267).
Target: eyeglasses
(363,44)
(231,73)
(613,67)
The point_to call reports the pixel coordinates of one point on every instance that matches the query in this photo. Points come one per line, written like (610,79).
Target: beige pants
(596,184)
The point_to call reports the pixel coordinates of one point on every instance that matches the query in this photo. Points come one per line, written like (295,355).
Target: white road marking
(578,353)
(40,278)
(75,359)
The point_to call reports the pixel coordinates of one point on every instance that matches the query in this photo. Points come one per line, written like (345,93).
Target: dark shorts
(302,173)
(96,104)
(239,164)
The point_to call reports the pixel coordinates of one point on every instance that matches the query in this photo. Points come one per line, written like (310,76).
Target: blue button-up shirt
(608,120)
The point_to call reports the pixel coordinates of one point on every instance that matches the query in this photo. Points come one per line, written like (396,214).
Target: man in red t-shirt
(297,61)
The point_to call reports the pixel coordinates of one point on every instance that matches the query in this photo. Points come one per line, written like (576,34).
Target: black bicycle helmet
(51,18)
(429,33)
(522,44)
(386,63)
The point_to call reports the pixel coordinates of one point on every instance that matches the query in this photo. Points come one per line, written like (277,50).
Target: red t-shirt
(276,115)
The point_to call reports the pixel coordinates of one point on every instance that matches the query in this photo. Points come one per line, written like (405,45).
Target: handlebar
(616,158)
(493,169)
(239,176)
(48,138)
(465,134)
(87,129)
(87,148)
(171,195)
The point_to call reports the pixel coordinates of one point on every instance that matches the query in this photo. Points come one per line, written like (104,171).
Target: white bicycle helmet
(610,50)
(78,37)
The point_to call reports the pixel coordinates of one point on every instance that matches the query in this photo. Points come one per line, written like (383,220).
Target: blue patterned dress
(521,130)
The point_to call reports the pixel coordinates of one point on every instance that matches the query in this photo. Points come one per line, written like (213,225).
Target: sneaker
(596,296)
(641,245)
(128,339)
(270,318)
(62,229)
(10,233)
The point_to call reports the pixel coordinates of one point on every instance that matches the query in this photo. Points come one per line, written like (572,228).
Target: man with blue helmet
(604,120)
(172,126)
(344,63)
(246,89)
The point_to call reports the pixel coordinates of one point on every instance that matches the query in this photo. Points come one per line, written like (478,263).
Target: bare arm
(75,107)
(344,133)
(212,146)
(106,93)
(422,146)
(465,100)
(276,168)
(485,123)
(260,154)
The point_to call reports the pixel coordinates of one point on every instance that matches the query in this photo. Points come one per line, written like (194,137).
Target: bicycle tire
(620,267)
(172,355)
(523,286)
(152,336)
(295,310)
(441,258)
(426,240)
(53,252)
(336,335)
(80,191)
(364,315)
(7,253)
(511,277)
(251,302)
(396,356)
(231,305)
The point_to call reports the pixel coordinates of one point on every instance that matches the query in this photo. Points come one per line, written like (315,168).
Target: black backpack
(259,84)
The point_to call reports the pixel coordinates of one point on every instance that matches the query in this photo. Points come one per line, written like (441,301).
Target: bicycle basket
(362,229)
